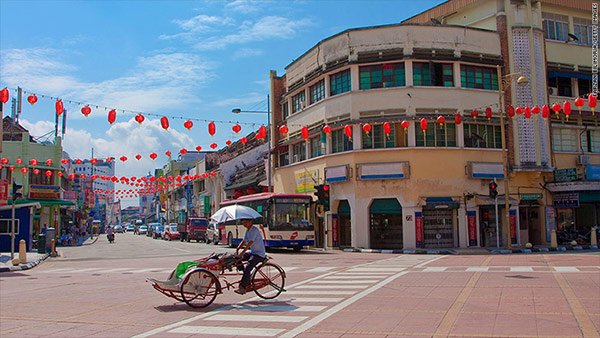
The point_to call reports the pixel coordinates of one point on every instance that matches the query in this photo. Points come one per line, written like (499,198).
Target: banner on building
(419,229)
(306,180)
(472,226)
(335,233)
(512,216)
(3,192)
(44,192)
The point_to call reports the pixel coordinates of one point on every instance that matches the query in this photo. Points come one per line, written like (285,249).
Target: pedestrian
(44,229)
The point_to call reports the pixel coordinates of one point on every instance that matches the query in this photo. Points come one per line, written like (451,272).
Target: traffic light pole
(497,230)
(12,232)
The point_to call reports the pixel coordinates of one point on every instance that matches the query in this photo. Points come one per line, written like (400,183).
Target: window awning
(42,202)
(386,206)
(556,73)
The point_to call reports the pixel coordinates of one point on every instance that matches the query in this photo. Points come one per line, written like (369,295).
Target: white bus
(285,220)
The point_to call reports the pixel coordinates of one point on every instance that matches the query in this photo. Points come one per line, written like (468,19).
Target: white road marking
(258,318)
(566,269)
(377,269)
(521,269)
(322,287)
(313,292)
(435,269)
(477,269)
(321,269)
(313,300)
(85,270)
(358,273)
(279,308)
(354,277)
(288,269)
(114,270)
(228,331)
(144,270)
(357,281)
(58,270)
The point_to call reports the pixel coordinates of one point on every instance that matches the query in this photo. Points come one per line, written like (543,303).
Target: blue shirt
(258,246)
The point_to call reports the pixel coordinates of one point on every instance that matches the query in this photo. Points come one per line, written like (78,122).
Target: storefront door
(529,223)
(438,228)
(345,224)
(487,224)
(385,224)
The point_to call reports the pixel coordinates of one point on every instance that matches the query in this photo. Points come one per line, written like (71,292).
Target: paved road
(100,291)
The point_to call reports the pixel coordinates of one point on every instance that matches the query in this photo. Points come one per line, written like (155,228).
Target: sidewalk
(477,250)
(33,259)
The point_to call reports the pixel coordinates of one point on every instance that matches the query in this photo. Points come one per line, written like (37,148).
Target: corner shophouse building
(408,189)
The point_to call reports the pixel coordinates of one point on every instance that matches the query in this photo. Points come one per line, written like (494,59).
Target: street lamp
(268,112)
(504,83)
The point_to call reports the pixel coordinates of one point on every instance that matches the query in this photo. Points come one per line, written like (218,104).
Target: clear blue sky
(196,59)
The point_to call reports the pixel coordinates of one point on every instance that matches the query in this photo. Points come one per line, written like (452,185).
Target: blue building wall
(23,215)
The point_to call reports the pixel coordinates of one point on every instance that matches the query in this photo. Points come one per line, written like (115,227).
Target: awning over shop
(576,75)
(344,207)
(386,206)
(20,205)
(589,196)
(43,202)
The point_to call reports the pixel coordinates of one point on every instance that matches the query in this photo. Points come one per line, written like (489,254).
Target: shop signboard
(206,204)
(550,222)
(44,192)
(419,229)
(566,200)
(306,181)
(530,197)
(472,224)
(383,171)
(337,174)
(513,226)
(335,234)
(592,172)
(565,175)
(3,192)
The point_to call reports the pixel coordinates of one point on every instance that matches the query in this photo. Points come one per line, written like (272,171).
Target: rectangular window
(582,28)
(482,135)
(436,136)
(202,185)
(584,86)
(382,76)
(564,139)
(340,82)
(41,178)
(590,141)
(378,139)
(339,141)
(284,158)
(556,27)
(317,92)
(6,226)
(316,147)
(298,102)
(285,110)
(299,151)
(478,77)
(432,74)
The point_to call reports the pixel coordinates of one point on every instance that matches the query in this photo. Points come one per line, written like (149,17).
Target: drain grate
(520,277)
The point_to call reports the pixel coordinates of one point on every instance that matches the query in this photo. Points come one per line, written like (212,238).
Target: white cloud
(247,52)
(269,27)
(198,25)
(246,6)
(240,101)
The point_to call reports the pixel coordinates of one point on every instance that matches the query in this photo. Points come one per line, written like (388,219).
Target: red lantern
(18,161)
(488,113)
(510,111)
(457,119)
(4,160)
(32,99)
(138,157)
(405,124)
(36,171)
(527,112)
(441,120)
(112,116)
(139,118)
(284,130)
(423,123)
(556,107)
(545,111)
(48,162)
(579,102)
(348,131)
(123,158)
(519,111)
(387,128)
(236,128)
(64,161)
(198,148)
(305,133)
(4,95)
(327,129)
(11,168)
(592,101)
(86,110)
(188,124)
(228,142)
(211,128)
(213,145)
(262,132)
(24,170)
(59,107)
(33,162)
(567,109)
(535,110)
(108,159)
(71,176)
(153,156)
(164,122)
(183,151)
(474,113)
(59,174)
(94,161)
(48,173)
(367,128)
(168,153)
(244,140)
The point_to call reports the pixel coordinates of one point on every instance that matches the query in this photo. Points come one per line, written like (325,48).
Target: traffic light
(15,191)
(319,192)
(493,189)
(322,195)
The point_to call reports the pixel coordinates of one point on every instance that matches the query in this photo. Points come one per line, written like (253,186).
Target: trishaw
(200,283)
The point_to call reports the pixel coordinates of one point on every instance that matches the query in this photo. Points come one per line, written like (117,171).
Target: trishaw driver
(253,240)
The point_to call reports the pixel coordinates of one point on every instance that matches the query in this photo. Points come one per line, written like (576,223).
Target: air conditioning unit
(583,159)
(295,158)
(553,91)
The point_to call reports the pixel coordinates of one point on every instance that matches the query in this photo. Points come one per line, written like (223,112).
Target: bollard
(553,242)
(53,248)
(22,251)
(594,238)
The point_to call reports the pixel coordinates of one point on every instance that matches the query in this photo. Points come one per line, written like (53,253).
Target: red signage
(3,191)
(419,229)
(513,226)
(472,225)
(335,234)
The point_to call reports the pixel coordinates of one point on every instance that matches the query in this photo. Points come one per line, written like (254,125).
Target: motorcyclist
(109,234)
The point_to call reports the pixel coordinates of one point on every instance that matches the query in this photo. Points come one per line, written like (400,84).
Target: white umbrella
(234,212)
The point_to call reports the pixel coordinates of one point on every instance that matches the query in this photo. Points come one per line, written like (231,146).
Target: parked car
(158,231)
(142,230)
(119,229)
(130,228)
(196,229)
(171,232)
(213,233)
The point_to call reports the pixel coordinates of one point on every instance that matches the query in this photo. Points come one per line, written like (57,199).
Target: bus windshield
(290,215)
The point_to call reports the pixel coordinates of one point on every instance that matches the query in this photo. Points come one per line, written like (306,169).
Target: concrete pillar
(593,237)
(553,241)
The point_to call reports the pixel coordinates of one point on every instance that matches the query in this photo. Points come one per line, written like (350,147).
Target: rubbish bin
(50,235)
(41,244)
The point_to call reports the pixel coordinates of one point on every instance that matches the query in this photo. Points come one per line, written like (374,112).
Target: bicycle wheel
(199,288)
(268,281)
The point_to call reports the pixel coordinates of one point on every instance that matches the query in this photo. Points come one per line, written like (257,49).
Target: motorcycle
(111,237)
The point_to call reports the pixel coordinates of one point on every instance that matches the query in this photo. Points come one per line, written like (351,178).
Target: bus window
(290,216)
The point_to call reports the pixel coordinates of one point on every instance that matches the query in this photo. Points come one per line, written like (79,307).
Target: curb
(491,251)
(403,251)
(547,249)
(27,266)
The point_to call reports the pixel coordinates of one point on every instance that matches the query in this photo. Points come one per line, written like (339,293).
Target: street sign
(565,175)
(530,197)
